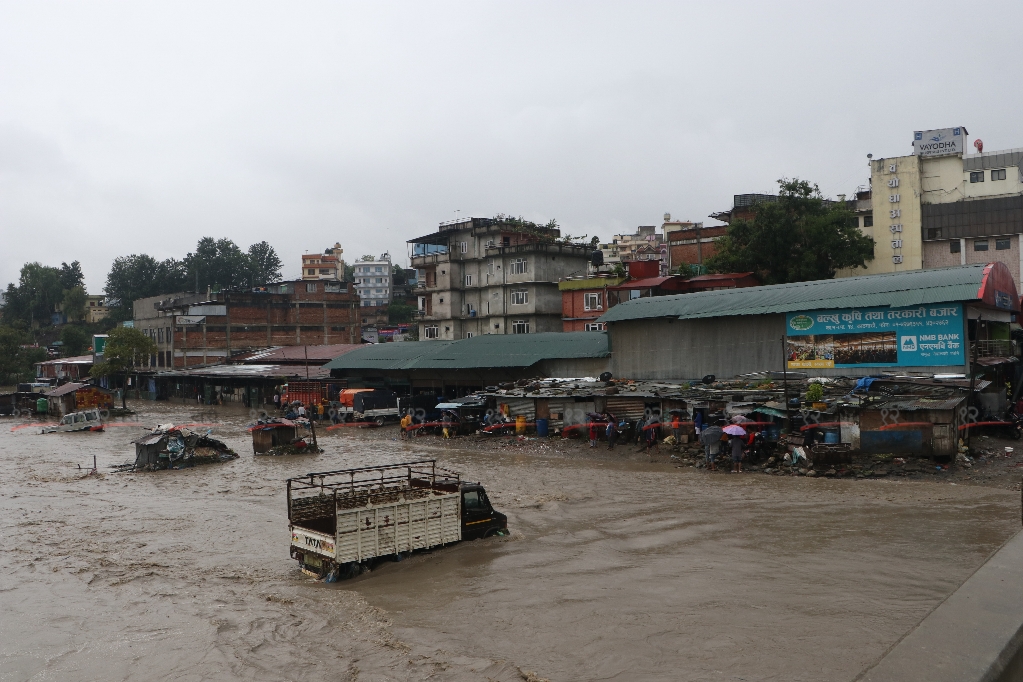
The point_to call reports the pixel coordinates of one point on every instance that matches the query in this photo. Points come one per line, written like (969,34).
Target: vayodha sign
(879,337)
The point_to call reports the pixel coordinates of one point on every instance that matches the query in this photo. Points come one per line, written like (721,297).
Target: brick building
(691,243)
(201,329)
(583,300)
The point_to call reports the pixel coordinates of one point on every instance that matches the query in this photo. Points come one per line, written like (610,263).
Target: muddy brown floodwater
(617,569)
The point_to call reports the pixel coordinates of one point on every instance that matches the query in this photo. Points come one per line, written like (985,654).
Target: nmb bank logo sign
(939,142)
(920,336)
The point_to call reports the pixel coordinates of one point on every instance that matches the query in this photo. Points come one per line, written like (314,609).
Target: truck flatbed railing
(309,495)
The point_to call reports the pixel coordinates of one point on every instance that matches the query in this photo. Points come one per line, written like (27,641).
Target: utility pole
(785,380)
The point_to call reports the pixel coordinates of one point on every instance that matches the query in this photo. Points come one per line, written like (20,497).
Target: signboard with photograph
(920,336)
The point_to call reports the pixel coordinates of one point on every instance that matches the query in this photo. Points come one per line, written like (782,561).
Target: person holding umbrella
(735,433)
(710,437)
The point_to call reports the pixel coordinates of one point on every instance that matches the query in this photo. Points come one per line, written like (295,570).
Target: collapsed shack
(273,436)
(171,447)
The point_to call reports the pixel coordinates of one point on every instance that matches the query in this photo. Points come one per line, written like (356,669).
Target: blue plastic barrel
(541,428)
(831,437)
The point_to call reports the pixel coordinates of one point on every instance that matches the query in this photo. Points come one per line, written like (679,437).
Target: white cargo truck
(343,520)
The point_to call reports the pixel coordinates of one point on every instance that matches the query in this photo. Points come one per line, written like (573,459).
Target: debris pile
(172,447)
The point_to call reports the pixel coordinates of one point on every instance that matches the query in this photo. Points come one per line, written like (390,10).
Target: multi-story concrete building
(201,329)
(327,265)
(373,281)
(482,276)
(941,206)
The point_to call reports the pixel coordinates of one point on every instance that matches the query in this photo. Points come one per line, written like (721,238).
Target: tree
(799,238)
(75,339)
(17,357)
(33,299)
(218,263)
(125,350)
(685,270)
(399,312)
(141,276)
(367,258)
(71,275)
(264,264)
(74,303)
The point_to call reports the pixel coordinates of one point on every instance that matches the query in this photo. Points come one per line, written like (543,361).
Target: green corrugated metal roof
(898,289)
(401,355)
(487,350)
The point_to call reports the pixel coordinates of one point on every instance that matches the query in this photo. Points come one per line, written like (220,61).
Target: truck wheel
(380,421)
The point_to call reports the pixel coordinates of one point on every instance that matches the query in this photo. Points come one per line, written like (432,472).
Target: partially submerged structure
(75,397)
(177,447)
(272,436)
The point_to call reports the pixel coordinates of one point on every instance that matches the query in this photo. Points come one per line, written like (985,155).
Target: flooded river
(616,569)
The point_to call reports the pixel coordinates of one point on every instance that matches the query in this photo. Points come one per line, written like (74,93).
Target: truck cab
(479,519)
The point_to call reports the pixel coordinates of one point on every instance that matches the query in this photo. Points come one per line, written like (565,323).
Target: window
(977,176)
(980,245)
(431,332)
(520,297)
(463,247)
(594,326)
(310,287)
(998,174)
(934,233)
(520,327)
(868,220)
(468,335)
(380,269)
(159,333)
(506,241)
(592,302)
(1003,244)
(324,271)
(955,246)
(468,280)
(518,266)
(310,271)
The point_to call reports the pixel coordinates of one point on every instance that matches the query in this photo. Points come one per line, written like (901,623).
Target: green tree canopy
(17,357)
(76,340)
(218,263)
(140,276)
(34,298)
(74,304)
(126,349)
(799,238)
(71,276)
(264,264)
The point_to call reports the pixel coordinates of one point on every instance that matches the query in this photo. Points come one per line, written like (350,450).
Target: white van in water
(87,420)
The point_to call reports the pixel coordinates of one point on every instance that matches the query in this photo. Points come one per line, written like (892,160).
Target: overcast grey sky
(136,127)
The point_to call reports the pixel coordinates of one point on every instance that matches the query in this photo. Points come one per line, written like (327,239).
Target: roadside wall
(976,635)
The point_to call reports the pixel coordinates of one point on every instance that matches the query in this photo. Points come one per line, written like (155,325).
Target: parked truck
(306,392)
(342,521)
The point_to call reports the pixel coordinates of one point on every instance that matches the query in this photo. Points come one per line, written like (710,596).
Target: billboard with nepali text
(918,336)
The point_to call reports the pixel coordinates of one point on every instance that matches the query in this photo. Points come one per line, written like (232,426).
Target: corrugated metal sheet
(485,351)
(626,408)
(916,287)
(525,407)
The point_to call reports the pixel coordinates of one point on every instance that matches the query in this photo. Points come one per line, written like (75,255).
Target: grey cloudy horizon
(142,127)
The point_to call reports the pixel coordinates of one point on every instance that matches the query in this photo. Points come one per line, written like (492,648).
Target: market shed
(926,321)
(73,396)
(455,368)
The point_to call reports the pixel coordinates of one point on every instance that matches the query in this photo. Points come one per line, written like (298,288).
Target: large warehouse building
(922,321)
